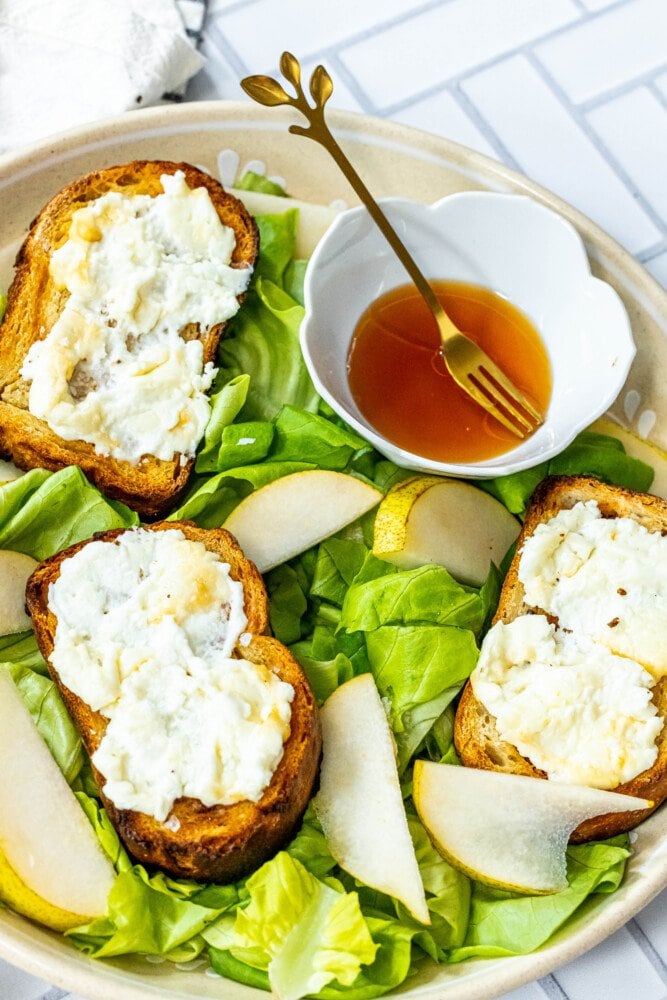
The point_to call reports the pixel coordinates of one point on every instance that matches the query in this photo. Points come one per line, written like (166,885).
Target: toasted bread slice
(475,735)
(217,843)
(34,304)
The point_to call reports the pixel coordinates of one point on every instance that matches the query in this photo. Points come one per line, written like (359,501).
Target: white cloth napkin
(66,62)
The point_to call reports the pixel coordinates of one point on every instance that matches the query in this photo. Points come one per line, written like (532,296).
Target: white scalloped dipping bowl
(510,244)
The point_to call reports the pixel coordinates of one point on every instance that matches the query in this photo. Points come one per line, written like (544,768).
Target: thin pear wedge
(312,221)
(636,447)
(359,803)
(507,830)
(15,568)
(52,868)
(289,515)
(9,472)
(429,519)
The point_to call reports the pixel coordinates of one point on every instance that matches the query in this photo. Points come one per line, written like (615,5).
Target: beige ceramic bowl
(395,161)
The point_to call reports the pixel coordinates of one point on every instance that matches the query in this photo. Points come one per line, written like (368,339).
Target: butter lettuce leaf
(300,434)
(304,932)
(49,714)
(21,650)
(150,914)
(225,406)
(419,670)
(427,595)
(590,454)
(212,500)
(44,512)
(277,236)
(287,603)
(341,562)
(503,923)
(264,341)
(252,181)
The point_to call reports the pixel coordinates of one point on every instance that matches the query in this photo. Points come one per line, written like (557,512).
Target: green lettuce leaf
(287,603)
(49,714)
(293,279)
(277,234)
(341,562)
(21,649)
(448,894)
(324,676)
(257,182)
(43,512)
(503,923)
(419,670)
(300,434)
(425,595)
(389,969)
(225,406)
(212,500)
(224,963)
(304,933)
(309,847)
(589,454)
(264,340)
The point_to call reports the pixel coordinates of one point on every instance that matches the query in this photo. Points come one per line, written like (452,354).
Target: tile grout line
(642,80)
(648,949)
(651,252)
(580,120)
(353,39)
(353,85)
(658,93)
(455,79)
(484,126)
(226,49)
(553,988)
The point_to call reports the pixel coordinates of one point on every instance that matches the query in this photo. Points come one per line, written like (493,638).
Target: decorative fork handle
(270,93)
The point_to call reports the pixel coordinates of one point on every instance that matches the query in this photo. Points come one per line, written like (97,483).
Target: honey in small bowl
(400,383)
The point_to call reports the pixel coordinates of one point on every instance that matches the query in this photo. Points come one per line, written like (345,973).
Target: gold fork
(470,367)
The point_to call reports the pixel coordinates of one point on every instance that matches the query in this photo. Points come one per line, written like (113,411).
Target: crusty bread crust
(34,304)
(218,843)
(475,735)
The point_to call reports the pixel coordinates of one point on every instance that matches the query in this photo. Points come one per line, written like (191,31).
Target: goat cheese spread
(601,577)
(146,625)
(569,705)
(114,369)
(576,699)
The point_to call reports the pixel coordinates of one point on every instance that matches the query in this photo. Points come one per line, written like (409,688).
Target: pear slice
(52,868)
(9,472)
(289,515)
(359,803)
(639,448)
(507,830)
(428,519)
(312,224)
(15,568)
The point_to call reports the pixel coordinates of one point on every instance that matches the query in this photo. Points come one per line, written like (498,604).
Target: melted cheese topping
(114,369)
(145,630)
(572,707)
(605,578)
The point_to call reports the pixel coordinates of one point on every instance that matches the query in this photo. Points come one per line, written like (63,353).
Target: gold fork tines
(470,367)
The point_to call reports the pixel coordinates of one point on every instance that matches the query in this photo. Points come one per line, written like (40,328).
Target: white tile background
(572,93)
